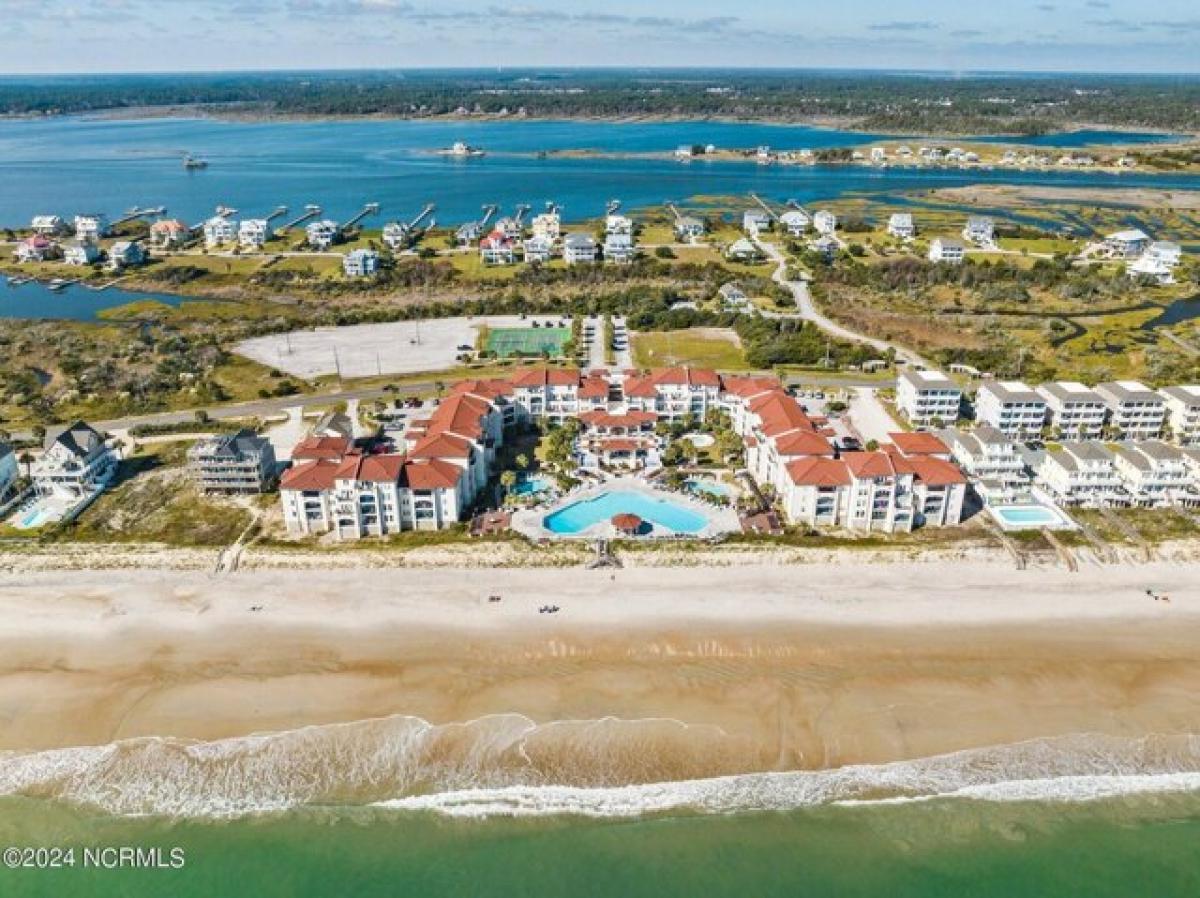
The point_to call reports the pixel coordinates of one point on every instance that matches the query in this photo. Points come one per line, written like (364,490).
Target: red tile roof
(442,445)
(461,414)
(816,471)
(546,377)
(593,387)
(919,443)
(749,386)
(640,387)
(931,471)
(312,475)
(869,464)
(633,419)
(488,389)
(803,442)
(321,447)
(370,468)
(694,377)
(780,413)
(430,474)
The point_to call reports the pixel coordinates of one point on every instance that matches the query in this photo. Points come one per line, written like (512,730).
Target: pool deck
(530,522)
(1060,519)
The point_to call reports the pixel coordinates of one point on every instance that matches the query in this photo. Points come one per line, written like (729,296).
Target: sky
(41,36)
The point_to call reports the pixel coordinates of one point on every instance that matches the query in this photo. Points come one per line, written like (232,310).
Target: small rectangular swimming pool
(1022,517)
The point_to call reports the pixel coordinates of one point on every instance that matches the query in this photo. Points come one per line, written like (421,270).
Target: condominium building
(1135,412)
(1155,474)
(928,398)
(991,459)
(1073,410)
(240,462)
(1182,405)
(1011,407)
(1082,473)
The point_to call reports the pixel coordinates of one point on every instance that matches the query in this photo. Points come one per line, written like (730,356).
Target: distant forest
(898,103)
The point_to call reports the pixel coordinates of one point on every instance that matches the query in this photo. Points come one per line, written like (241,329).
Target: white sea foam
(509,765)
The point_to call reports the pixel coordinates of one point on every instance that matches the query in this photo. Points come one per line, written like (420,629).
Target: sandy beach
(688,672)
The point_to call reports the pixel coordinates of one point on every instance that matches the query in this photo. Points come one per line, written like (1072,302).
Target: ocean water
(69,165)
(503,806)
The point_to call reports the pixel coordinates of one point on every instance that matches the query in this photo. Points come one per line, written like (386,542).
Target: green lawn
(699,347)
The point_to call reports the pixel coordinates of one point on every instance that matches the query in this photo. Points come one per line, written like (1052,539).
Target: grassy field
(699,347)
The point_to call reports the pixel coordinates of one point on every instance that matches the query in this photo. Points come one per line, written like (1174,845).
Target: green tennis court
(527,341)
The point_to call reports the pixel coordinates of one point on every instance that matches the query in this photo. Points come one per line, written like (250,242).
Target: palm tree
(508,480)
(522,461)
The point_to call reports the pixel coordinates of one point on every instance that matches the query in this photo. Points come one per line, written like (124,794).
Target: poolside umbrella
(627,523)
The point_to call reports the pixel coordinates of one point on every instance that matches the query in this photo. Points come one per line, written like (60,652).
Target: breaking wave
(509,765)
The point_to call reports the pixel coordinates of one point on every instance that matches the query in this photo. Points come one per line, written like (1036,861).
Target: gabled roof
(312,475)
(462,414)
(929,470)
(430,474)
(546,377)
(593,387)
(370,468)
(746,386)
(442,445)
(321,447)
(869,464)
(780,413)
(803,442)
(79,438)
(488,389)
(919,443)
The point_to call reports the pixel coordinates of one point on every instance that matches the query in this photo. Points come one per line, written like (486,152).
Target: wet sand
(768,667)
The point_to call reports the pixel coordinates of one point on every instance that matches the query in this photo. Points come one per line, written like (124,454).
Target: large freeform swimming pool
(660,512)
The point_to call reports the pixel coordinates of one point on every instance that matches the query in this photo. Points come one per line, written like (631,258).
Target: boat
(57,285)
(191,163)
(462,150)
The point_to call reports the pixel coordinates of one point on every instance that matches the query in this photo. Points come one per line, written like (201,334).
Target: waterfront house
(360,263)
(991,459)
(219,230)
(979,230)
(1012,408)
(240,462)
(1155,475)
(1082,473)
(927,398)
(547,225)
(538,248)
(755,222)
(795,221)
(579,248)
(1165,252)
(468,233)
(878,154)
(395,236)
(497,248)
(48,225)
(619,248)
(37,248)
(825,222)
(618,224)
(76,464)
(1135,412)
(169,233)
(1182,405)
(1074,411)
(743,250)
(1126,244)
(91,226)
(321,235)
(10,478)
(901,226)
(688,228)
(81,252)
(253,233)
(125,254)
(947,252)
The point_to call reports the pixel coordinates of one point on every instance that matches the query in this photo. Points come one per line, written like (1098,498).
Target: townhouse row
(1124,409)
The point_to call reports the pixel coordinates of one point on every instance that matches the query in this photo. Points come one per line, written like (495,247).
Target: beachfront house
(1127,245)
(77,463)
(497,248)
(1082,473)
(169,233)
(579,249)
(360,263)
(795,221)
(395,236)
(48,225)
(547,225)
(219,230)
(1155,475)
(1183,413)
(538,248)
(321,235)
(1073,411)
(825,222)
(81,252)
(927,398)
(947,252)
(1012,408)
(125,254)
(253,233)
(619,248)
(1135,412)
(901,226)
(10,478)
(37,248)
(688,228)
(755,222)
(240,462)
(980,230)
(991,459)
(91,226)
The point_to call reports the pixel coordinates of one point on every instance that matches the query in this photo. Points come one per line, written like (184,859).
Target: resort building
(688,228)
(673,393)
(1135,412)
(253,233)
(579,249)
(1155,475)
(796,222)
(1012,408)
(497,248)
(618,440)
(1082,473)
(81,252)
(219,230)
(901,226)
(928,398)
(170,233)
(825,222)
(979,230)
(547,225)
(76,464)
(1183,413)
(125,254)
(755,222)
(947,252)
(538,249)
(241,462)
(322,235)
(619,248)
(360,263)
(1126,244)
(48,225)
(91,226)
(1074,411)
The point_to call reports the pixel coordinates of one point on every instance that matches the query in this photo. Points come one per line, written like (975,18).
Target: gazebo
(629,524)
